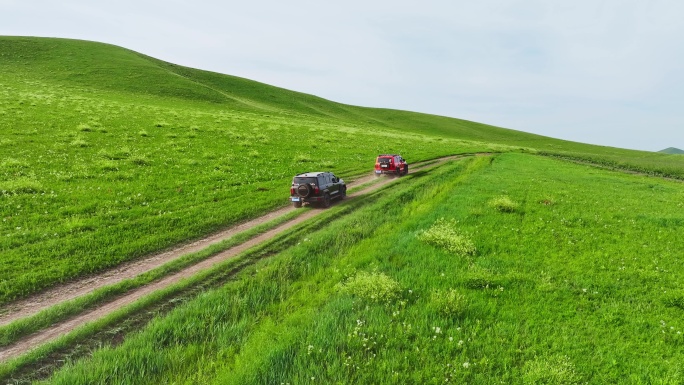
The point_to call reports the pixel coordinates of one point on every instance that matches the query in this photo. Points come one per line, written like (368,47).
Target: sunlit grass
(97,133)
(539,271)
(147,172)
(582,291)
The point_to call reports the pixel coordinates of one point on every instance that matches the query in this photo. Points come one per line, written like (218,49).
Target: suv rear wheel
(326,200)
(297,204)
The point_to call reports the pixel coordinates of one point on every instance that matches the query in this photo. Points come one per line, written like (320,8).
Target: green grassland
(573,278)
(107,155)
(517,267)
(93,173)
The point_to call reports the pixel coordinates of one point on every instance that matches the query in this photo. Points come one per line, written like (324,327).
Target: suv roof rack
(311,173)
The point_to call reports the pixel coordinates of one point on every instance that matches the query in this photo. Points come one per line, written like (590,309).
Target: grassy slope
(581,283)
(107,154)
(104,67)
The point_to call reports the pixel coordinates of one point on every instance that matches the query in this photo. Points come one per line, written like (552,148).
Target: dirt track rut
(62,293)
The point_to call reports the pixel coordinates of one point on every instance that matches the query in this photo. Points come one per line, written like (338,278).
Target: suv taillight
(292,191)
(317,190)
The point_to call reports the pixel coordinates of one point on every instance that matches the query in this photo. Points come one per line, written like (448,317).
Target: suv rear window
(384,160)
(304,179)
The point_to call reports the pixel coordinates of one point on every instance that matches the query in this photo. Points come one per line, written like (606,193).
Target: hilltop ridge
(671,150)
(111,68)
(85,67)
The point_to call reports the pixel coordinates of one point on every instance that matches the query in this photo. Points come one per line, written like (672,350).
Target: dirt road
(37,303)
(62,293)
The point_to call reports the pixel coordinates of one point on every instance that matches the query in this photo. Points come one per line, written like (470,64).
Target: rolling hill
(533,262)
(671,150)
(91,67)
(167,146)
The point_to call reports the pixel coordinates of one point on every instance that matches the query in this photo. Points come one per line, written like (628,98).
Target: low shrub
(504,204)
(449,303)
(14,168)
(303,158)
(78,142)
(374,287)
(443,234)
(107,165)
(674,299)
(554,370)
(20,186)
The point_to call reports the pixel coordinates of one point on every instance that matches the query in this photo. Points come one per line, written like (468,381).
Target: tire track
(71,291)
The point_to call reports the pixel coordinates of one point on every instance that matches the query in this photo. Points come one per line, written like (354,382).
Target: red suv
(391,164)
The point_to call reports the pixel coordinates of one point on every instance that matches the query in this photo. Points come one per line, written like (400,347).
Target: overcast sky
(603,72)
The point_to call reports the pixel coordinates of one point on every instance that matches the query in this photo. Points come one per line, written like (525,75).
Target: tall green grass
(242,303)
(579,284)
(107,154)
(93,173)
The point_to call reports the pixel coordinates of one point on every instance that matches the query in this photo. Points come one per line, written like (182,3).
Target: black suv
(316,187)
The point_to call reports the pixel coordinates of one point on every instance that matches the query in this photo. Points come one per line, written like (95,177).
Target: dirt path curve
(65,292)
(62,293)
(70,291)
